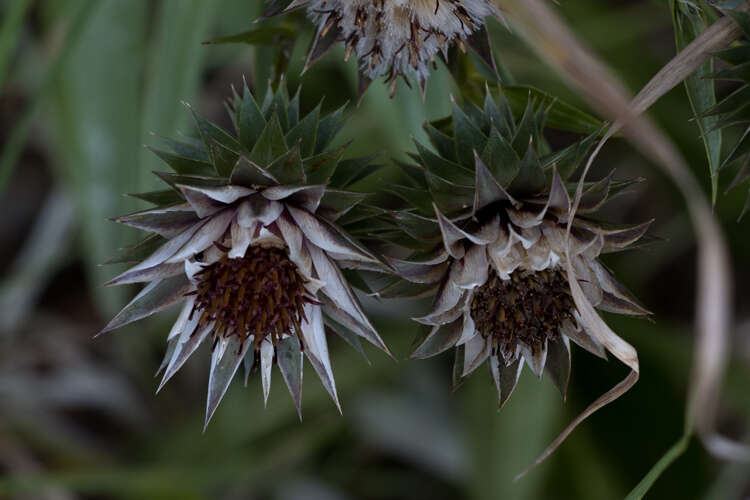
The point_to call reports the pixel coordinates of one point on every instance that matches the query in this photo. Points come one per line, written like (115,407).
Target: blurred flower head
(246,240)
(393,37)
(488,223)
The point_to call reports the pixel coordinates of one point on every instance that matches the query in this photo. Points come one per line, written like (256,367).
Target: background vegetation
(84,83)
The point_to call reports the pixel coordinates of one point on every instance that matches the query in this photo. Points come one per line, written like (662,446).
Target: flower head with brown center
(523,313)
(495,255)
(247,239)
(261,295)
(395,37)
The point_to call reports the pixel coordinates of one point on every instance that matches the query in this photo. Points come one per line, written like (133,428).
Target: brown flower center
(260,294)
(527,309)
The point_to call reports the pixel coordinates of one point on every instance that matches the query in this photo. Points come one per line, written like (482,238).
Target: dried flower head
(246,240)
(494,256)
(395,37)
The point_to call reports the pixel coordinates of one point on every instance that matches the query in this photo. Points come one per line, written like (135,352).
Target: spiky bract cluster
(248,237)
(487,234)
(395,37)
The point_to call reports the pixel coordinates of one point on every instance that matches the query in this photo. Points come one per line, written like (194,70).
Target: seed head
(261,295)
(494,250)
(247,241)
(527,309)
(396,37)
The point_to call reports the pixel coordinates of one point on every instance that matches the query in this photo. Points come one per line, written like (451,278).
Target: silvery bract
(488,226)
(395,37)
(246,240)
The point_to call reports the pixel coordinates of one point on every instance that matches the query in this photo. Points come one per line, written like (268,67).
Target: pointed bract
(245,240)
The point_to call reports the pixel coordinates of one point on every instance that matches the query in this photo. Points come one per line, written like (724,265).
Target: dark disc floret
(261,294)
(526,309)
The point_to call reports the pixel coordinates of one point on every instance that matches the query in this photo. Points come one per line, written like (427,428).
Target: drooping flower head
(394,37)
(488,226)
(246,239)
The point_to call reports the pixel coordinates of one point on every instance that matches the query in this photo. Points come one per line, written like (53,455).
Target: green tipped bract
(486,232)
(248,239)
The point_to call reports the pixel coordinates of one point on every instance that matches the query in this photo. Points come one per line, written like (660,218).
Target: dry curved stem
(716,37)
(553,40)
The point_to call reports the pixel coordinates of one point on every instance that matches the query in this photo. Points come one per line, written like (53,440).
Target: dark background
(82,86)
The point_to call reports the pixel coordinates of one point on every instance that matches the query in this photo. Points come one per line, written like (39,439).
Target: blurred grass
(9,33)
(11,150)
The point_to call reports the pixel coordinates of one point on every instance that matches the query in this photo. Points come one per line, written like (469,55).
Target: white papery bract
(494,251)
(395,37)
(246,240)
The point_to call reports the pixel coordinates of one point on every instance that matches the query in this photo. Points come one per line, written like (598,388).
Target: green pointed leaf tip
(269,36)
(689,22)
(271,135)
(509,142)
(561,115)
(730,112)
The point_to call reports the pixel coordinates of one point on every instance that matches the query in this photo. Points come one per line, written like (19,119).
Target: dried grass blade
(716,37)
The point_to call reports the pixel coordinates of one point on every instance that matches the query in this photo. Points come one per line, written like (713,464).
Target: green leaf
(287,168)
(184,165)
(222,147)
(569,159)
(211,132)
(191,180)
(530,179)
(271,144)
(321,168)
(493,112)
(418,227)
(746,208)
(10,29)
(449,197)
(740,149)
(352,170)
(222,158)
(500,158)
(444,144)
(739,73)
(160,198)
(734,55)
(689,21)
(561,115)
(193,148)
(742,19)
(335,203)
(526,131)
(279,105)
(418,198)
(736,102)
(328,127)
(306,130)
(469,137)
(448,170)
(269,36)
(293,109)
(250,120)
